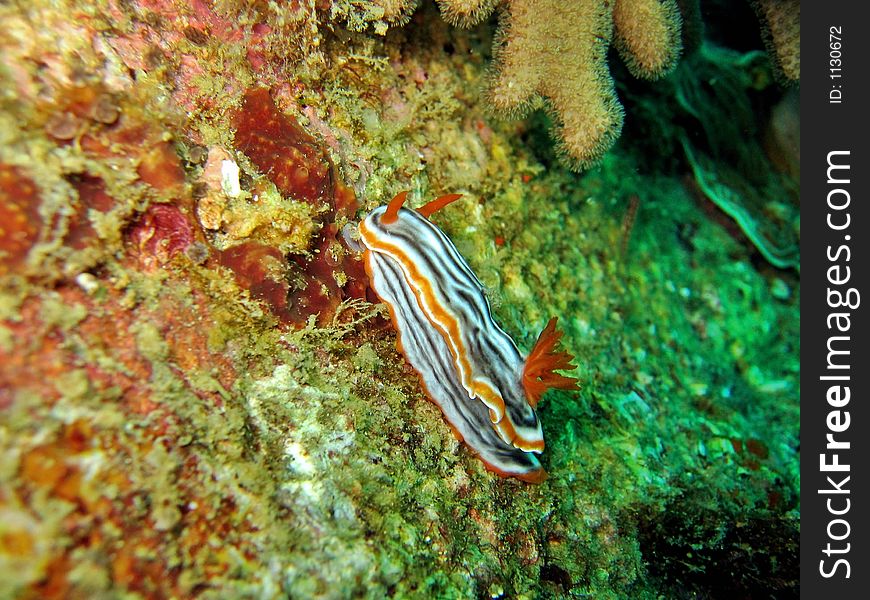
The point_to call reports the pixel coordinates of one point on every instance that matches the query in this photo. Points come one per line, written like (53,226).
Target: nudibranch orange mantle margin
(467,364)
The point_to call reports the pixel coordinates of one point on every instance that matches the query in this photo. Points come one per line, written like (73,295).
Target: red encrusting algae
(161,232)
(262,270)
(20,220)
(282,150)
(92,195)
(302,285)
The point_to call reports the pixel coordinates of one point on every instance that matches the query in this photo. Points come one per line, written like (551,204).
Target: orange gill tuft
(539,372)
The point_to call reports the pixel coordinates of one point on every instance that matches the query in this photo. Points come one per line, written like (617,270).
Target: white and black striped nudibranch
(467,364)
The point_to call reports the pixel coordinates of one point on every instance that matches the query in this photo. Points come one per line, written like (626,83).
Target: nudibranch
(467,364)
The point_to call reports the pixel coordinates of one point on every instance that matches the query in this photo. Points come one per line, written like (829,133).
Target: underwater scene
(399,299)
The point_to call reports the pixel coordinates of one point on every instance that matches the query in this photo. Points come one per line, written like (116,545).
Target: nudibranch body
(467,364)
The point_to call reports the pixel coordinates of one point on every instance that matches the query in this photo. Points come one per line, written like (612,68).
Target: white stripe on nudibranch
(469,366)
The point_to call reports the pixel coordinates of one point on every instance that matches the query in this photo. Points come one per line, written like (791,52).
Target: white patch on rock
(230,179)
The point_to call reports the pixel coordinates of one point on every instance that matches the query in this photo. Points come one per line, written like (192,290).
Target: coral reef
(198,397)
(562,60)
(647,36)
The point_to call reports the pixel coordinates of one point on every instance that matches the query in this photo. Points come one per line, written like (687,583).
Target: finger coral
(781,27)
(466,13)
(558,51)
(647,36)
